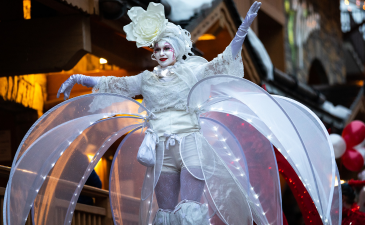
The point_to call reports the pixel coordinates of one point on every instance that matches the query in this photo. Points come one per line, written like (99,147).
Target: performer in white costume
(165,91)
(190,148)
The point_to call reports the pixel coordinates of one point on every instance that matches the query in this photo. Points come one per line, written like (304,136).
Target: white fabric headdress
(151,26)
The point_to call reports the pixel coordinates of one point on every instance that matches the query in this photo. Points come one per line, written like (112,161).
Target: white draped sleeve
(128,86)
(224,63)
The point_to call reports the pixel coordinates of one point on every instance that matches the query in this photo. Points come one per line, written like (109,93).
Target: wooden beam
(221,16)
(227,21)
(274,10)
(89,6)
(73,6)
(250,70)
(109,44)
(358,109)
(205,24)
(43,45)
(61,7)
(2,191)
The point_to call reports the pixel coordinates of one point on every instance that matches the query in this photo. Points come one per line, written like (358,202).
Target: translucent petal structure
(287,124)
(226,192)
(130,182)
(65,181)
(319,150)
(240,123)
(254,157)
(59,137)
(336,208)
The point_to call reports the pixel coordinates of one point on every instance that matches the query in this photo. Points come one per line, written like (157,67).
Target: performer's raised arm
(127,86)
(230,61)
(237,41)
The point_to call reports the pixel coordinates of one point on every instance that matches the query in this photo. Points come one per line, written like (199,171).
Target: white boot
(162,217)
(190,213)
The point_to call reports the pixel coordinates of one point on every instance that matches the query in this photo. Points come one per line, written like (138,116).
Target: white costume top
(167,98)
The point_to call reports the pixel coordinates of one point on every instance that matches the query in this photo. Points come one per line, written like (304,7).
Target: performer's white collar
(166,71)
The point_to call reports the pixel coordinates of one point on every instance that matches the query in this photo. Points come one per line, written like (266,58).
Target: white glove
(237,41)
(76,79)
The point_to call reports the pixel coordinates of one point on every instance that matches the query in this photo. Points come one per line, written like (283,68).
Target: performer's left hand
(76,79)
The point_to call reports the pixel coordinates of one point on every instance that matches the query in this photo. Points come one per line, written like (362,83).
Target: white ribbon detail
(170,139)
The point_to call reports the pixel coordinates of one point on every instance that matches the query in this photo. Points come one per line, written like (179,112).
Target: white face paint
(164,54)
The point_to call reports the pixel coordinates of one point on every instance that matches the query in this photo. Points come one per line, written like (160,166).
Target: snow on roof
(262,54)
(339,110)
(184,10)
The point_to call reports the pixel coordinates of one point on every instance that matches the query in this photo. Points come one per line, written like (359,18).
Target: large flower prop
(146,26)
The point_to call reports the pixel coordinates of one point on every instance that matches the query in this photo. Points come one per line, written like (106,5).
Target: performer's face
(164,54)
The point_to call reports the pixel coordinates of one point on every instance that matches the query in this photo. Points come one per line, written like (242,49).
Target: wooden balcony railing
(98,214)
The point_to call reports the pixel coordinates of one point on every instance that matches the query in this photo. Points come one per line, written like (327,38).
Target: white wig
(179,39)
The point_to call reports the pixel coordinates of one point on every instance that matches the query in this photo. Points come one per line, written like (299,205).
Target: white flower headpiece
(151,26)
(146,26)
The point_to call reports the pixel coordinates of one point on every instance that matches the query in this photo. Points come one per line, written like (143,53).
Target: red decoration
(264,87)
(285,222)
(302,197)
(356,183)
(352,160)
(353,216)
(354,133)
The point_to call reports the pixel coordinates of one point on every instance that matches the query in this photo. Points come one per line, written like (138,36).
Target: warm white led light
(103,61)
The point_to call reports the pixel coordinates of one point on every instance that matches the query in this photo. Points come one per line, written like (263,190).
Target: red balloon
(354,133)
(352,160)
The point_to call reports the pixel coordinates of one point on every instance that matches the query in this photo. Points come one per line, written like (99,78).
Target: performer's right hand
(251,15)
(237,41)
(76,79)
